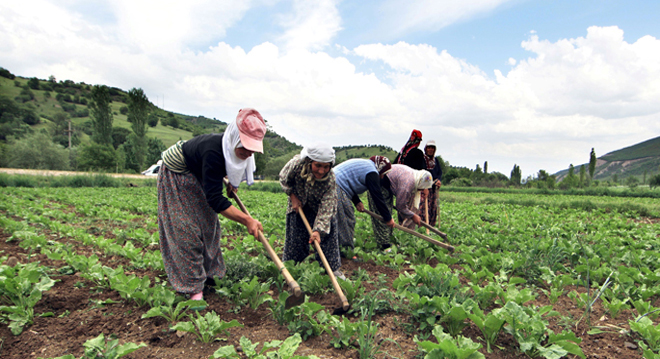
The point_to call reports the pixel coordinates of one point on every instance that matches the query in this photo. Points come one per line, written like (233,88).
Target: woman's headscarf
(382,164)
(239,170)
(430,160)
(320,152)
(413,142)
(423,180)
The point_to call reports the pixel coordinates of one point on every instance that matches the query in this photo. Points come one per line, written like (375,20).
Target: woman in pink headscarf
(190,184)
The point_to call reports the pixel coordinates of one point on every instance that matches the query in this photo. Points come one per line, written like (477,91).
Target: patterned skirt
(433,207)
(296,246)
(345,219)
(381,231)
(189,232)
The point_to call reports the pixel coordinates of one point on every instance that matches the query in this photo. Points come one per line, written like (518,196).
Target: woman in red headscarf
(410,154)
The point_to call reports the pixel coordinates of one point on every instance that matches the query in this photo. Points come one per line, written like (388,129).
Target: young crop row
(508,257)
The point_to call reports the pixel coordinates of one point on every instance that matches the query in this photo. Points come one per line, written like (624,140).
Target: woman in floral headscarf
(410,154)
(309,182)
(355,177)
(403,183)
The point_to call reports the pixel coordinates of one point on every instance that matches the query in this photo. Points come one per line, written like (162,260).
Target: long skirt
(296,246)
(381,231)
(433,207)
(345,219)
(189,232)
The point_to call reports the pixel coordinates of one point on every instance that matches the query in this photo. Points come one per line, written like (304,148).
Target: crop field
(532,276)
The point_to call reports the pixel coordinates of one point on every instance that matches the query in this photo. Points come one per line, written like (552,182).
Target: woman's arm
(252,225)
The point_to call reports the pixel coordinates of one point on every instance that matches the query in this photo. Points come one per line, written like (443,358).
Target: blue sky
(532,83)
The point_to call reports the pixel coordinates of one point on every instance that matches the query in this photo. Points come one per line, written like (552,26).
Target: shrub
(37,151)
(6,74)
(97,157)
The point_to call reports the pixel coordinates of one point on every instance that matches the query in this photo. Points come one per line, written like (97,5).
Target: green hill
(636,160)
(37,101)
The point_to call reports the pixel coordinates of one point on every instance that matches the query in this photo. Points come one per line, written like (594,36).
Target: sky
(533,83)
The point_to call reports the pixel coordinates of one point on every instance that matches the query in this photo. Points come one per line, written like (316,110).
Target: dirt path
(19,171)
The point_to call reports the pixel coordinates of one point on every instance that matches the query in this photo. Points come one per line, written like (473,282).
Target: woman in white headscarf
(309,182)
(190,184)
(404,183)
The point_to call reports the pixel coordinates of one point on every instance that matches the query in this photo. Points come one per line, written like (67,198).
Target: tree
(583,175)
(654,181)
(33,83)
(97,157)
(154,149)
(516,175)
(138,113)
(152,120)
(485,167)
(261,159)
(37,151)
(119,136)
(592,163)
(101,115)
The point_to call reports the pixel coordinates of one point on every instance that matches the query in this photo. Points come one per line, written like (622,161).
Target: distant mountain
(630,161)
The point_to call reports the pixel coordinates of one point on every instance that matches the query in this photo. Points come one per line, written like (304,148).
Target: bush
(6,74)
(37,152)
(33,83)
(97,157)
(152,120)
(655,181)
(461,182)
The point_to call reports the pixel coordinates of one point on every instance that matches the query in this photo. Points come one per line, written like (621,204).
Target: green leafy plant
(308,319)
(21,287)
(649,332)
(109,348)
(254,293)
(615,305)
(529,328)
(450,347)
(275,349)
(490,325)
(344,332)
(206,328)
(167,309)
(368,347)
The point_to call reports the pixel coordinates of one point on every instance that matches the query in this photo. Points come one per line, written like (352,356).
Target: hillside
(634,160)
(46,98)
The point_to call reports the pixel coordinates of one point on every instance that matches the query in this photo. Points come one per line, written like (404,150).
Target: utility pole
(69,131)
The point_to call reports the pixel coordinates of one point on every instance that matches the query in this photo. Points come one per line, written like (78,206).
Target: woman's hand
(390,223)
(316,236)
(360,207)
(254,226)
(417,219)
(231,190)
(295,202)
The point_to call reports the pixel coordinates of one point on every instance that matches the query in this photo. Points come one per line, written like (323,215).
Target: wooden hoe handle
(414,233)
(271,253)
(335,284)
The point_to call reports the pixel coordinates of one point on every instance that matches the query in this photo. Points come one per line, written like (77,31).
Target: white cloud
(546,112)
(311,25)
(403,16)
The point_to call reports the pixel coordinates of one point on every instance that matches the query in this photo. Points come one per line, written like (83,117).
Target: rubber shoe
(339,274)
(198,296)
